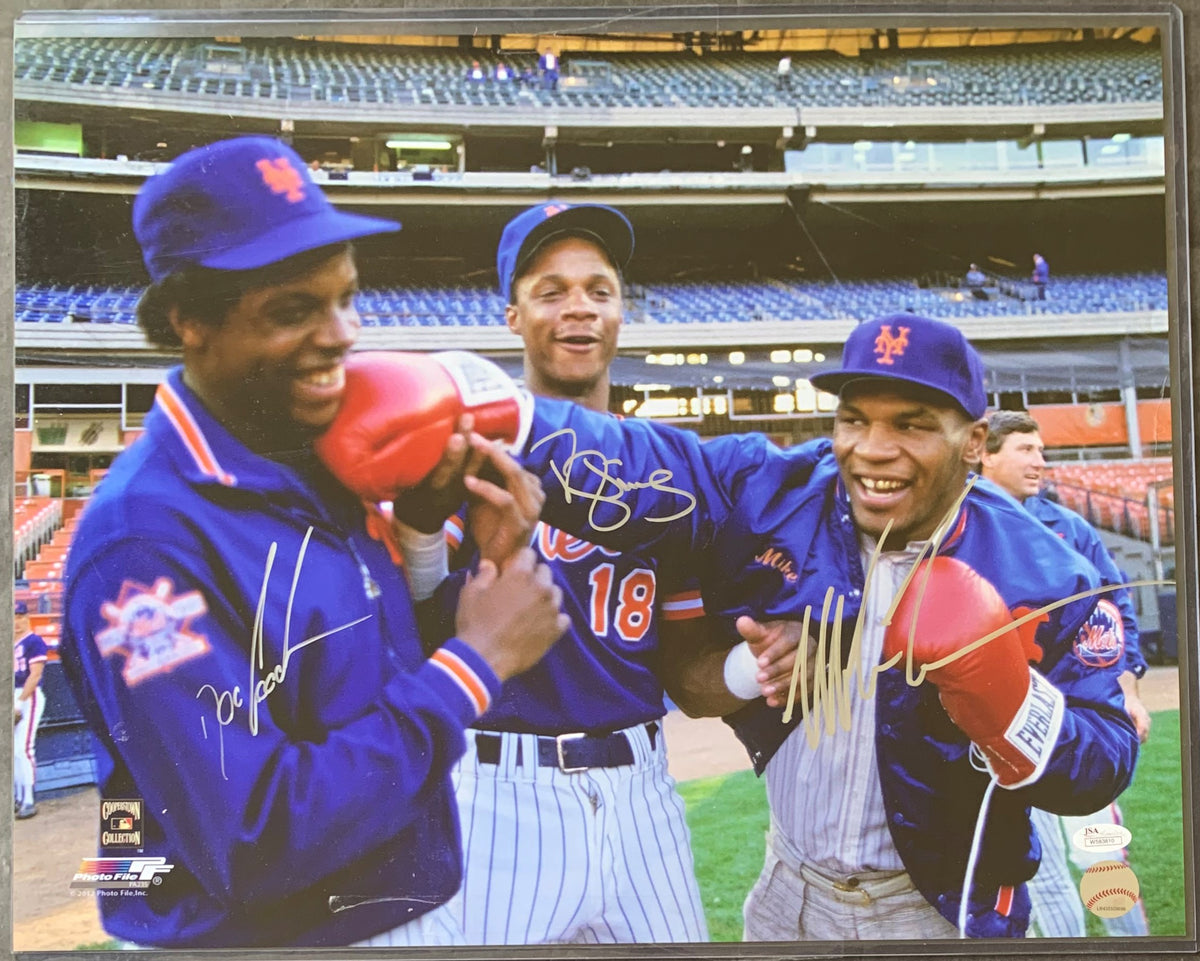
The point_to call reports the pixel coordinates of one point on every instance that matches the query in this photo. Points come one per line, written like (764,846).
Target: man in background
(1040,276)
(29,661)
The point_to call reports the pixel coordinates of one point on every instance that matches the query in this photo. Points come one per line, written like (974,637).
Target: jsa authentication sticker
(1102,837)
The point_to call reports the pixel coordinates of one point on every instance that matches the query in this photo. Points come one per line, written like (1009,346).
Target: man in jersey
(1013,459)
(237,633)
(29,661)
(572,828)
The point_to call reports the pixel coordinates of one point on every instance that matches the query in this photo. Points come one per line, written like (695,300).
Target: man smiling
(872,826)
(236,632)
(572,828)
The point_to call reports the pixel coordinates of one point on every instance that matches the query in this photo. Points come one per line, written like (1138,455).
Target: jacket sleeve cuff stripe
(465,677)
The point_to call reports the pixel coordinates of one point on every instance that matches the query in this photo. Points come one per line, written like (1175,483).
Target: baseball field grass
(728,818)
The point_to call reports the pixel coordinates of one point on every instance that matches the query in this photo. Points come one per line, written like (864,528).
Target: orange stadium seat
(43,570)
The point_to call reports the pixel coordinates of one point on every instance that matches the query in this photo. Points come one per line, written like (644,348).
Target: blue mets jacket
(770,532)
(247,659)
(1079,534)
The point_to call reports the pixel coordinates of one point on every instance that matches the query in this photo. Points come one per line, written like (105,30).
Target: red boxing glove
(1009,710)
(399,409)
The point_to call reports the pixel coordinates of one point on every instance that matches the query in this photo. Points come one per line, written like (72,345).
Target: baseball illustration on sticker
(1109,889)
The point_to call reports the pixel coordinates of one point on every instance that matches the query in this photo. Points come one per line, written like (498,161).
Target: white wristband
(425,560)
(741,669)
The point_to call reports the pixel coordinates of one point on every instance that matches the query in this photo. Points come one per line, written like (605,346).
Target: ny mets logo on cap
(551,210)
(888,344)
(279,174)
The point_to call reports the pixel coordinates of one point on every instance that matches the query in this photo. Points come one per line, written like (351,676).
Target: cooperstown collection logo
(100,874)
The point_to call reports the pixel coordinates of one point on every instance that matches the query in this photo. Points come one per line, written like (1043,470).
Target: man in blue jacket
(875,790)
(1013,460)
(236,631)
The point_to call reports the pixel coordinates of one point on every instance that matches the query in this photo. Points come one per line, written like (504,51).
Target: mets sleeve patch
(1101,638)
(150,628)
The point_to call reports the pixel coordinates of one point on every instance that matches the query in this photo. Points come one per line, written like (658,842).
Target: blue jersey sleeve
(649,488)
(259,803)
(35,649)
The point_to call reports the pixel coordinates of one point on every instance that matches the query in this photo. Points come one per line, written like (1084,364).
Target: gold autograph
(599,465)
(833,687)
(228,701)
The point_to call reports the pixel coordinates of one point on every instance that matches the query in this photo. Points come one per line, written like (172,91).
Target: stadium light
(419,144)
(1121,137)
(737,357)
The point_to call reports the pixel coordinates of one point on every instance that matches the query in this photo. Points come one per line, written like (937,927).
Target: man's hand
(1134,707)
(774,645)
(502,518)
(511,617)
(426,506)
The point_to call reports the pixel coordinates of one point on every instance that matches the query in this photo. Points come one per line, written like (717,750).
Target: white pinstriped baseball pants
(599,856)
(25,745)
(438,927)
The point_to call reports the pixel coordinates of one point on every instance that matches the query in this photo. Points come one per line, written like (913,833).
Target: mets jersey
(247,658)
(599,676)
(28,650)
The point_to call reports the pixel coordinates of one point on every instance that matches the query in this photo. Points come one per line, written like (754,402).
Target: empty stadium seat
(1023,74)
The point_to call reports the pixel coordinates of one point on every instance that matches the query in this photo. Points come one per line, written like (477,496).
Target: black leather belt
(568,752)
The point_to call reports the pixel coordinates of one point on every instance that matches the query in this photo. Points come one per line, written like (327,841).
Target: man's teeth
(881,486)
(324,378)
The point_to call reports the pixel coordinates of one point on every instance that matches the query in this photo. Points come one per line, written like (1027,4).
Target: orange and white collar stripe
(190,434)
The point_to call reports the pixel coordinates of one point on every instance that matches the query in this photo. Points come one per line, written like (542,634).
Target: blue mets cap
(236,205)
(915,350)
(531,228)
(20,607)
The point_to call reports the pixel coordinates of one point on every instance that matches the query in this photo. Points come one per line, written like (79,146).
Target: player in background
(572,828)
(1013,459)
(237,633)
(29,661)
(874,806)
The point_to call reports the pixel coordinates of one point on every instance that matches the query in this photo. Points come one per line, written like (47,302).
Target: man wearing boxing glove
(874,800)
(875,792)
(236,630)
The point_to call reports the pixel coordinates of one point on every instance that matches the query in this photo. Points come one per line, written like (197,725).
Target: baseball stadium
(784,186)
